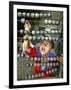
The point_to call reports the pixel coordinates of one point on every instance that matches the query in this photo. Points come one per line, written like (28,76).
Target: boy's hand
(26,37)
(27,25)
(60,59)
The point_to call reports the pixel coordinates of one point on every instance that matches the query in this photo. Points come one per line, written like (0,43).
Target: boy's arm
(59,58)
(26,43)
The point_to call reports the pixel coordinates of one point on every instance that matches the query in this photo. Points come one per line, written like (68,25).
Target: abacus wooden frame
(11,4)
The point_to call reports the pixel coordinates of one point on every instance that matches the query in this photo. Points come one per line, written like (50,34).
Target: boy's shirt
(35,52)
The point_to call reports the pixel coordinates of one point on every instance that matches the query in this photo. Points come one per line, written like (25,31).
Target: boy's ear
(52,50)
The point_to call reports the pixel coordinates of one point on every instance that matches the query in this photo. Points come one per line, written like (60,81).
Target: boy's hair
(49,41)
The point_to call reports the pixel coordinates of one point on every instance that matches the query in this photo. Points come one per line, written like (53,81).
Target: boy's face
(45,48)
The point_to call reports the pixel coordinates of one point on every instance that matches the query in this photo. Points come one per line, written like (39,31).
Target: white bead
(42,37)
(39,74)
(44,64)
(27,56)
(49,30)
(31,64)
(38,64)
(45,59)
(45,15)
(46,38)
(41,64)
(50,71)
(52,31)
(54,64)
(41,32)
(56,31)
(45,21)
(50,64)
(30,37)
(49,14)
(48,59)
(53,21)
(27,64)
(36,75)
(46,29)
(38,38)
(50,38)
(38,59)
(51,59)
(19,14)
(32,15)
(20,48)
(21,55)
(18,55)
(53,38)
(41,15)
(47,72)
(37,32)
(26,77)
(56,38)
(59,31)
(28,14)
(49,21)
(47,64)
(42,73)
(57,22)
(35,59)
(24,14)
(57,64)
(29,77)
(31,59)
(34,64)
(32,76)
(54,59)
(22,20)
(34,37)
(36,15)
(55,69)
(21,30)
(41,58)
(33,32)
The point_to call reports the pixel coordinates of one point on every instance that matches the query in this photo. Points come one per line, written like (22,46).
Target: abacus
(46,25)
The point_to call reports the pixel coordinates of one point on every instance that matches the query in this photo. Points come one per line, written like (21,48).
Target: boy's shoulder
(52,55)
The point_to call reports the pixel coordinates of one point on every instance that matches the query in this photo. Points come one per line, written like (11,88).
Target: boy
(46,49)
